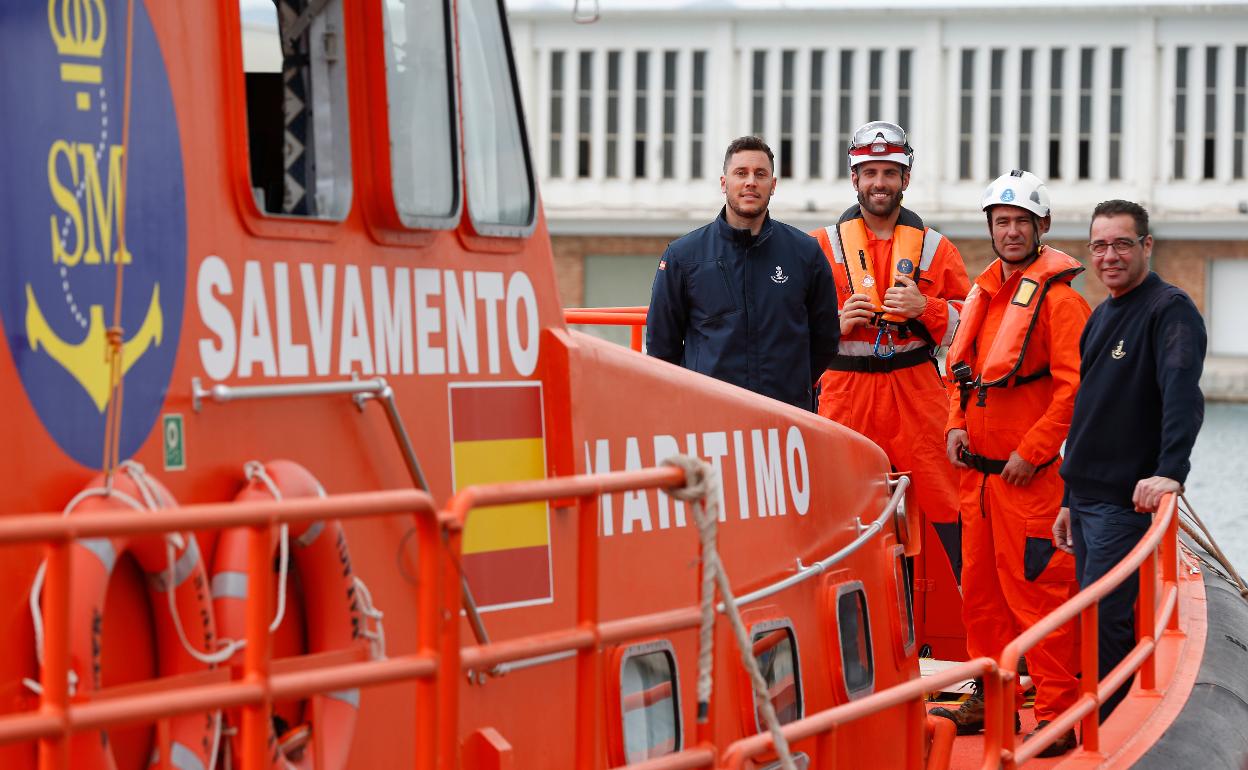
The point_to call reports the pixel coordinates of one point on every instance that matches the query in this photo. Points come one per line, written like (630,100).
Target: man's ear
(905,180)
(1045,223)
(723,185)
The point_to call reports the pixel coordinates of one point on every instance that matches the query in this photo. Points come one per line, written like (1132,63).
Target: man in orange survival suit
(899,285)
(1015,358)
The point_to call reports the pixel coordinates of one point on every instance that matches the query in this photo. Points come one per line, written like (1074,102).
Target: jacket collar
(742,237)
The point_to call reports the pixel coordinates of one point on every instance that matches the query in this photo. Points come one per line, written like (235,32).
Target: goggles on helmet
(880,140)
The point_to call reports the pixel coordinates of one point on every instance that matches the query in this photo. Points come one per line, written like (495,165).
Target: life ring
(335,606)
(183,620)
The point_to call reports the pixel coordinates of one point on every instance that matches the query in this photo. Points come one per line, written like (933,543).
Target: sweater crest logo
(779,277)
(1118,352)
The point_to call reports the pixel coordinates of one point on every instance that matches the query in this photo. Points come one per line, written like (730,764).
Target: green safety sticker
(175,442)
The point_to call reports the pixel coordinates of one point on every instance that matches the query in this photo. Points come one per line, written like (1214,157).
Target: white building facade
(629,116)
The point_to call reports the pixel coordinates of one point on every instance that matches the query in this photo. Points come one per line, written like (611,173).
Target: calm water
(1218,484)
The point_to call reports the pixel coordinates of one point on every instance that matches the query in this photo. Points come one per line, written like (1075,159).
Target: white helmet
(1018,188)
(880,140)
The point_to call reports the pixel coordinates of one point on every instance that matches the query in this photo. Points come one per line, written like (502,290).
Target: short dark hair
(1130,208)
(747,144)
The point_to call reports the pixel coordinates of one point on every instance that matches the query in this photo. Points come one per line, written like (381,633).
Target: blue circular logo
(61,203)
(1007,195)
(905,266)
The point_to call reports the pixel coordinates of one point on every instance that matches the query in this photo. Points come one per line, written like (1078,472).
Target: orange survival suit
(1016,358)
(900,403)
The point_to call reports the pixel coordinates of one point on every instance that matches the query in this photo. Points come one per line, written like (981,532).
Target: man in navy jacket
(1137,413)
(746,299)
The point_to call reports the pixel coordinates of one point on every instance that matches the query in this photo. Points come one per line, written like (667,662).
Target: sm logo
(68,179)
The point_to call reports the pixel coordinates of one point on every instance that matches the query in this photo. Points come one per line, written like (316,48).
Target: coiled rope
(701,491)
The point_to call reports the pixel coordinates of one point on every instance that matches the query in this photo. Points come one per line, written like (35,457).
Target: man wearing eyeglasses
(1136,417)
(1015,357)
(898,285)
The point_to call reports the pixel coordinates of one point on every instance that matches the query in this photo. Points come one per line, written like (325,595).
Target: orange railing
(259,685)
(999,677)
(611,316)
(1157,612)
(437,667)
(823,724)
(439,663)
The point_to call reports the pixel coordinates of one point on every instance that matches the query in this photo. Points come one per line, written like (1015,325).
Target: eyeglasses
(1120,245)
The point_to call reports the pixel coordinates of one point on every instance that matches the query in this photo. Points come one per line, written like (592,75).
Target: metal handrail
(438,665)
(611,316)
(57,719)
(744,749)
(999,750)
(806,572)
(361,391)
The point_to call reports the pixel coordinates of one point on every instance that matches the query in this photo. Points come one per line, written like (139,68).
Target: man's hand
(955,441)
(1062,537)
(1018,471)
(905,300)
(857,311)
(1148,492)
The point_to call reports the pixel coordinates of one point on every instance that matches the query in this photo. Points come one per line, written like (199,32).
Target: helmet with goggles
(1018,188)
(880,140)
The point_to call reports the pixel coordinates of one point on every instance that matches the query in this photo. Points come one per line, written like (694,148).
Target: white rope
(1210,545)
(701,492)
(376,639)
(254,469)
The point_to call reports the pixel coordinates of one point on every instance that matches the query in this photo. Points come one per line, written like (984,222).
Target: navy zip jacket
(755,311)
(1139,405)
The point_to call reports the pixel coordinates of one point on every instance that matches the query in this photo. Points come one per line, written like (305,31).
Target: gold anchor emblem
(1118,352)
(87,361)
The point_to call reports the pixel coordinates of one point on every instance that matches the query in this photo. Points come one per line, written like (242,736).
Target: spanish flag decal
(497,434)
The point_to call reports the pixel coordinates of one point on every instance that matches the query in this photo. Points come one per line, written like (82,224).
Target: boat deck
(968,750)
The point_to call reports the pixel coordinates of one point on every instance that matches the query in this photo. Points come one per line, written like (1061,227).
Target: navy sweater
(1139,405)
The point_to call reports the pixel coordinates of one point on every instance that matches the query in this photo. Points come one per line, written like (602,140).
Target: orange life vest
(912,250)
(1005,356)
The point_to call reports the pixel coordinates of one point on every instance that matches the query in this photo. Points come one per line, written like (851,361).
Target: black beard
(890,206)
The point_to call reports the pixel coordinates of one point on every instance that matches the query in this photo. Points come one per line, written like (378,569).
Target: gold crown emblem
(78,27)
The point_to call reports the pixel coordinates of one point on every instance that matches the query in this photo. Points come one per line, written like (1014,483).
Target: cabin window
(905,598)
(423,154)
(500,186)
(853,627)
(649,702)
(775,649)
(298,134)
